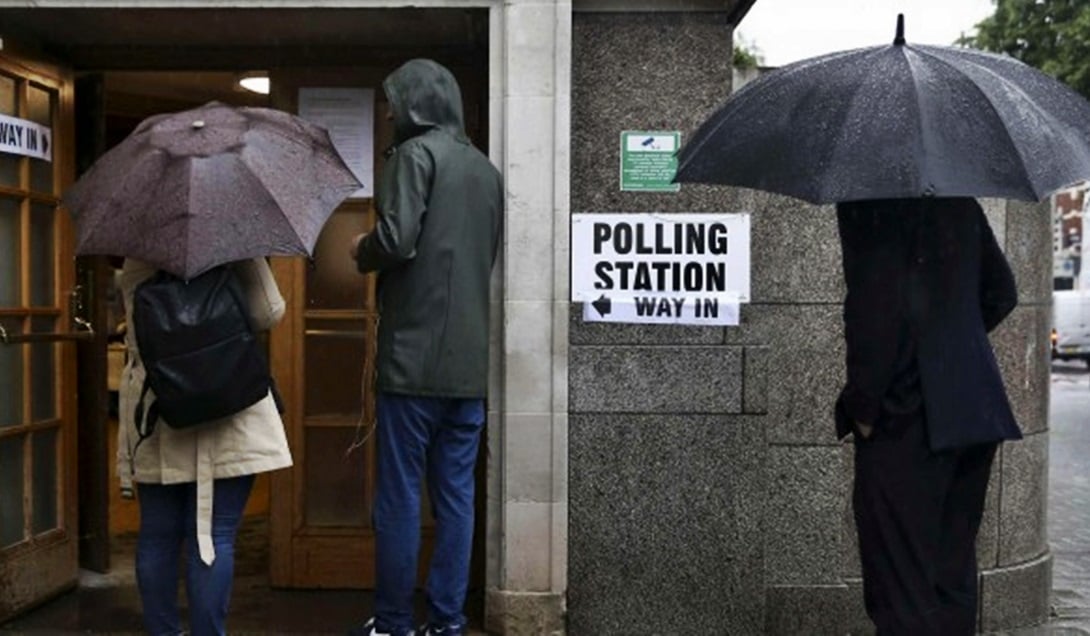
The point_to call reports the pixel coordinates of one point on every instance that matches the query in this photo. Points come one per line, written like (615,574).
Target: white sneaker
(369,629)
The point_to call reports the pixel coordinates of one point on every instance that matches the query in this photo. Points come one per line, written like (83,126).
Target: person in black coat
(925,401)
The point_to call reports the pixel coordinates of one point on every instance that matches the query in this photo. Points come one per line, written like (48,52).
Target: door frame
(94,276)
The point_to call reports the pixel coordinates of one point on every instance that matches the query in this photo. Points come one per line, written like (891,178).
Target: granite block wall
(707,491)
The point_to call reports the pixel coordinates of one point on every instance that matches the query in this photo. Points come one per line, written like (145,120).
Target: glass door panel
(43,371)
(12,515)
(41,104)
(42,244)
(45,480)
(11,242)
(334,479)
(337,349)
(338,345)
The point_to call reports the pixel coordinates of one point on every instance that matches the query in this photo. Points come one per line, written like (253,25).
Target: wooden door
(38,524)
(323,356)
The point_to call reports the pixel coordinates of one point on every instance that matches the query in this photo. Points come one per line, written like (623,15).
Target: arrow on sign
(603,305)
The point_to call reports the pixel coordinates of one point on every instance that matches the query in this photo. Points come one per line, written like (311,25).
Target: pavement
(1068,502)
(110,604)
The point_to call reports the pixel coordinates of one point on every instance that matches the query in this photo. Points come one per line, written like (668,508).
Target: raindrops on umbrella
(896,121)
(191,190)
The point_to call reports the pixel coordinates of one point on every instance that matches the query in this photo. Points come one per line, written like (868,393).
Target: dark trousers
(918,513)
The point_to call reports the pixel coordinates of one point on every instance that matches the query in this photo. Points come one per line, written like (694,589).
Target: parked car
(1071,325)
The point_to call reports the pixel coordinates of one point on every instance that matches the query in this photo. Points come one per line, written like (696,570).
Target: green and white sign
(648,163)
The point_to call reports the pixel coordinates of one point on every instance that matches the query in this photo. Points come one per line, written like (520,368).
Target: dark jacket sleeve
(875,270)
(998,294)
(403,202)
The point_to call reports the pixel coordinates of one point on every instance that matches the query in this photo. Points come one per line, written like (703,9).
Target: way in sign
(663,309)
(671,307)
(11,134)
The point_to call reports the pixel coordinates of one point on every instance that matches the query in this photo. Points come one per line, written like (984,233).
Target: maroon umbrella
(191,190)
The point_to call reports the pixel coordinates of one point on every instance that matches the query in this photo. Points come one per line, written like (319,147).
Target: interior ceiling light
(257,82)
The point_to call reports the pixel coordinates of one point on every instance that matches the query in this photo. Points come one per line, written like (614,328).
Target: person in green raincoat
(440,212)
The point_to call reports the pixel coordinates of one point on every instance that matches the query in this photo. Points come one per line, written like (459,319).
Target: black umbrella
(191,190)
(896,121)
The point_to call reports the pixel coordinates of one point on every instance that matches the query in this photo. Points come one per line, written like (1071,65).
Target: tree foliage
(1051,35)
(746,56)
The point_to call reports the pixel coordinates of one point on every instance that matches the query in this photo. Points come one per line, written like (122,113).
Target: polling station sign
(26,138)
(661,268)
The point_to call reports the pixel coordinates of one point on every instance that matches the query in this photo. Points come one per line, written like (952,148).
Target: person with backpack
(193,477)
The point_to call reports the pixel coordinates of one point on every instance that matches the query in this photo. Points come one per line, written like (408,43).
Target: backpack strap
(276,396)
(144,426)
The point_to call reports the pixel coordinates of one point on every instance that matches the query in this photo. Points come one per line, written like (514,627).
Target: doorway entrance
(144,61)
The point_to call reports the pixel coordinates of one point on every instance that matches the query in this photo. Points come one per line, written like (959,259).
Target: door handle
(82,331)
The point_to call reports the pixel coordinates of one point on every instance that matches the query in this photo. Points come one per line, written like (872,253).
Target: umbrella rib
(921,147)
(991,104)
(844,146)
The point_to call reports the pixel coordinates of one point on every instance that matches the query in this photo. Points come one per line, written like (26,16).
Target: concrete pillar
(527,526)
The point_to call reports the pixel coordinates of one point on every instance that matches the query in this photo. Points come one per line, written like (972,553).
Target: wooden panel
(32,576)
(344,561)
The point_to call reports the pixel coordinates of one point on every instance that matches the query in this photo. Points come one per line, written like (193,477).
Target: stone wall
(707,490)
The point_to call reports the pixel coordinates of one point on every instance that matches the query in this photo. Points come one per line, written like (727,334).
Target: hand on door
(356,245)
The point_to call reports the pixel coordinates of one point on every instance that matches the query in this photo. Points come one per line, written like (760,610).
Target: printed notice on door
(349,116)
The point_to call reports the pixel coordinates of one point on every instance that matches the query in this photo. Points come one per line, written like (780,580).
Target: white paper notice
(349,116)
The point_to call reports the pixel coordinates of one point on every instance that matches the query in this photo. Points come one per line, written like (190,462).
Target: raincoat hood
(424,95)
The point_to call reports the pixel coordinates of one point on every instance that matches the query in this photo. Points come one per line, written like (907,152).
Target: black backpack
(202,359)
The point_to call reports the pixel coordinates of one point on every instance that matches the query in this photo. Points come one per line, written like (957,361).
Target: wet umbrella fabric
(896,121)
(191,190)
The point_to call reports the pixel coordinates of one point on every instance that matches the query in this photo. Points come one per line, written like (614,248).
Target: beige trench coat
(248,442)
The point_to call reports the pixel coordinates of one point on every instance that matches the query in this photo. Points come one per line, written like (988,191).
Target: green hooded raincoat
(440,209)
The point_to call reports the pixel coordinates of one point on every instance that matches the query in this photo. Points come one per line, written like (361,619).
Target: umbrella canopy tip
(899,40)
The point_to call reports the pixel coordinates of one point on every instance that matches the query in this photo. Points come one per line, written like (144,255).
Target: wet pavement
(109,604)
(1068,501)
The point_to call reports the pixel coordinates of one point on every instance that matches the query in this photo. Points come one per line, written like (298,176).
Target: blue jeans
(439,437)
(167,521)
